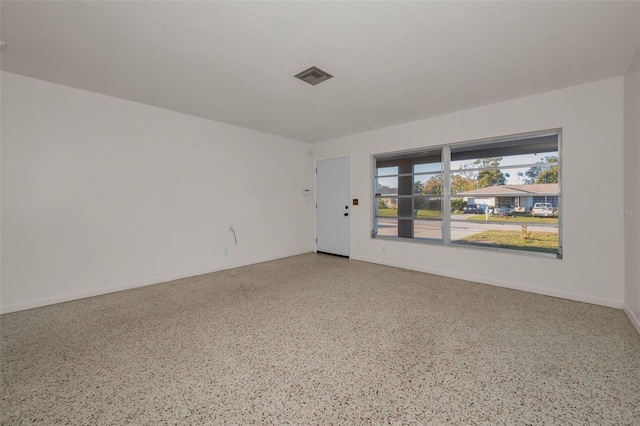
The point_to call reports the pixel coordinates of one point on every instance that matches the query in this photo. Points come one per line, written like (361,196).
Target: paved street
(460,228)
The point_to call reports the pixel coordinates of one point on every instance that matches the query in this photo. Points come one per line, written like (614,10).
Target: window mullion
(446,195)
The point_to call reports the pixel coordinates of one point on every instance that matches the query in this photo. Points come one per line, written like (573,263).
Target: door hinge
(316,170)
(316,241)
(316,205)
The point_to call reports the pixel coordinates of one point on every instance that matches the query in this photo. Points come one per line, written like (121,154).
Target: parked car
(503,211)
(473,208)
(543,210)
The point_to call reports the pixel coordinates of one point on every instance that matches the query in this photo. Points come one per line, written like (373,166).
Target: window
(409,196)
(551,199)
(422,195)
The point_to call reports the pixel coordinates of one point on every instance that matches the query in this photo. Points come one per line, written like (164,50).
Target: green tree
(432,186)
(461,183)
(542,174)
(493,176)
(549,175)
(457,204)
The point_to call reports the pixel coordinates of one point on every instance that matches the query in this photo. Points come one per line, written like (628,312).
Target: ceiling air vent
(313,76)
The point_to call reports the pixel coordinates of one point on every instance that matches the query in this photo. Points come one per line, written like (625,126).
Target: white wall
(101,194)
(632,191)
(591,116)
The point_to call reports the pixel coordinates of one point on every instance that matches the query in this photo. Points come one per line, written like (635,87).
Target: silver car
(503,211)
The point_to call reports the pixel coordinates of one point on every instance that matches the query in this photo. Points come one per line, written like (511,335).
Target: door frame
(315,199)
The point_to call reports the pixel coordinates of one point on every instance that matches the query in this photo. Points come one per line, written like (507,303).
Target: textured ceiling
(392,62)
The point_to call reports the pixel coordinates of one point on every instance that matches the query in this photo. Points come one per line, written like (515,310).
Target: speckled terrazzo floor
(315,339)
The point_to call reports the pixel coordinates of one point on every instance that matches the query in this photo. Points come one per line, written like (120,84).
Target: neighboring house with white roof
(513,195)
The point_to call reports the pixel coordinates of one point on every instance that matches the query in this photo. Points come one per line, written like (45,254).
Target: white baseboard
(112,289)
(632,317)
(506,284)
(515,286)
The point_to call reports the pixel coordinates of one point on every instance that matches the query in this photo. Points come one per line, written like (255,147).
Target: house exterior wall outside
(101,194)
(526,202)
(592,267)
(505,201)
(480,201)
(551,199)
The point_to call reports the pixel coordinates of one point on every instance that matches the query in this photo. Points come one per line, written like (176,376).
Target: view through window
(502,193)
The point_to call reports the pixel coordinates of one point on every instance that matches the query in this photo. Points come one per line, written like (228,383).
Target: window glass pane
(427,207)
(467,180)
(514,217)
(387,227)
(532,185)
(428,230)
(484,180)
(541,174)
(387,186)
(386,171)
(491,174)
(387,207)
(536,158)
(542,158)
(463,182)
(427,184)
(551,199)
(427,168)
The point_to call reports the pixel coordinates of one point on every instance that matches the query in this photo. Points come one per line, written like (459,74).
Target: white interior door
(333,210)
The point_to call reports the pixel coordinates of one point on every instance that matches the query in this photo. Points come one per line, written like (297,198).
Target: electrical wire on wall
(235,238)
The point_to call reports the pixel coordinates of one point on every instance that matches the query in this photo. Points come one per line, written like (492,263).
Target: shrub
(457,204)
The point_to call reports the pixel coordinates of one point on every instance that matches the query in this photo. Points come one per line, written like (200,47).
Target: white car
(543,209)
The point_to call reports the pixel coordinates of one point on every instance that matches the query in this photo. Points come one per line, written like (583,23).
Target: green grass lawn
(517,218)
(538,241)
(421,213)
